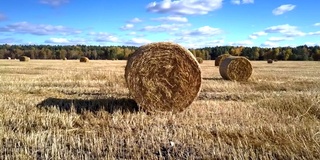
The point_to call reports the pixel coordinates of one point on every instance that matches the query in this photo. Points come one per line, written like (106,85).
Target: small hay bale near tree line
(200,60)
(235,68)
(84,59)
(270,61)
(64,58)
(220,58)
(163,76)
(24,59)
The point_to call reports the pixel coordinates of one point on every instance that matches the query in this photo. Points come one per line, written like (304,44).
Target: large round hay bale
(220,58)
(24,59)
(84,59)
(163,76)
(270,61)
(199,59)
(236,68)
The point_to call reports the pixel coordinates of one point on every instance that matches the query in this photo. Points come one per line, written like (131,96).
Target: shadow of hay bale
(110,105)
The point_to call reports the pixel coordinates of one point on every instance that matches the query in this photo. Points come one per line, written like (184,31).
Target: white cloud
(204,31)
(257,34)
(286,29)
(163,28)
(58,41)
(127,26)
(104,37)
(283,9)
(172,19)
(137,41)
(278,39)
(242,43)
(314,33)
(38,29)
(243,1)
(54,2)
(317,24)
(269,44)
(135,20)
(184,7)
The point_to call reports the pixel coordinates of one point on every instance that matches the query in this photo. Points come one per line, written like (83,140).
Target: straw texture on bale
(235,68)
(163,76)
(84,59)
(270,61)
(220,58)
(24,59)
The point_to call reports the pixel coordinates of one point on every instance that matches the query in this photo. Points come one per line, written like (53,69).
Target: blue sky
(191,23)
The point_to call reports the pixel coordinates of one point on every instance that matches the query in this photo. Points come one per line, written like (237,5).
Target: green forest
(299,53)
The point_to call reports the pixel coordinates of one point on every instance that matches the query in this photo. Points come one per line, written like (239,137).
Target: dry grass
(65,110)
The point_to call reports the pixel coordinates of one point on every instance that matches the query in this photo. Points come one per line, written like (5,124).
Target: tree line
(301,53)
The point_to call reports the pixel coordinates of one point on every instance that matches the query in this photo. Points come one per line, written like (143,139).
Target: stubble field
(54,109)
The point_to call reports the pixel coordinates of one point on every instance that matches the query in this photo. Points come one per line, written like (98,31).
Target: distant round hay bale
(65,58)
(163,76)
(236,68)
(24,59)
(9,58)
(84,59)
(199,59)
(270,61)
(220,58)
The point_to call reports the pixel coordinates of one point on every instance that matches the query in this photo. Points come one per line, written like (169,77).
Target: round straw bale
(9,58)
(163,76)
(84,59)
(64,58)
(220,58)
(270,61)
(200,60)
(24,59)
(236,68)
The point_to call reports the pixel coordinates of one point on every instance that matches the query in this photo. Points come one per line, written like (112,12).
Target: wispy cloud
(317,24)
(283,9)
(286,29)
(203,31)
(279,39)
(171,19)
(137,42)
(65,41)
(242,43)
(38,29)
(314,33)
(127,26)
(163,27)
(104,37)
(135,20)
(184,7)
(238,2)
(2,17)
(54,3)
(269,44)
(9,40)
(257,34)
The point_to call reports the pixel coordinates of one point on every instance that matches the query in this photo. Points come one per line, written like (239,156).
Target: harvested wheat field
(53,109)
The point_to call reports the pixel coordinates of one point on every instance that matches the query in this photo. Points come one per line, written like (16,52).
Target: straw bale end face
(235,68)
(84,59)
(163,76)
